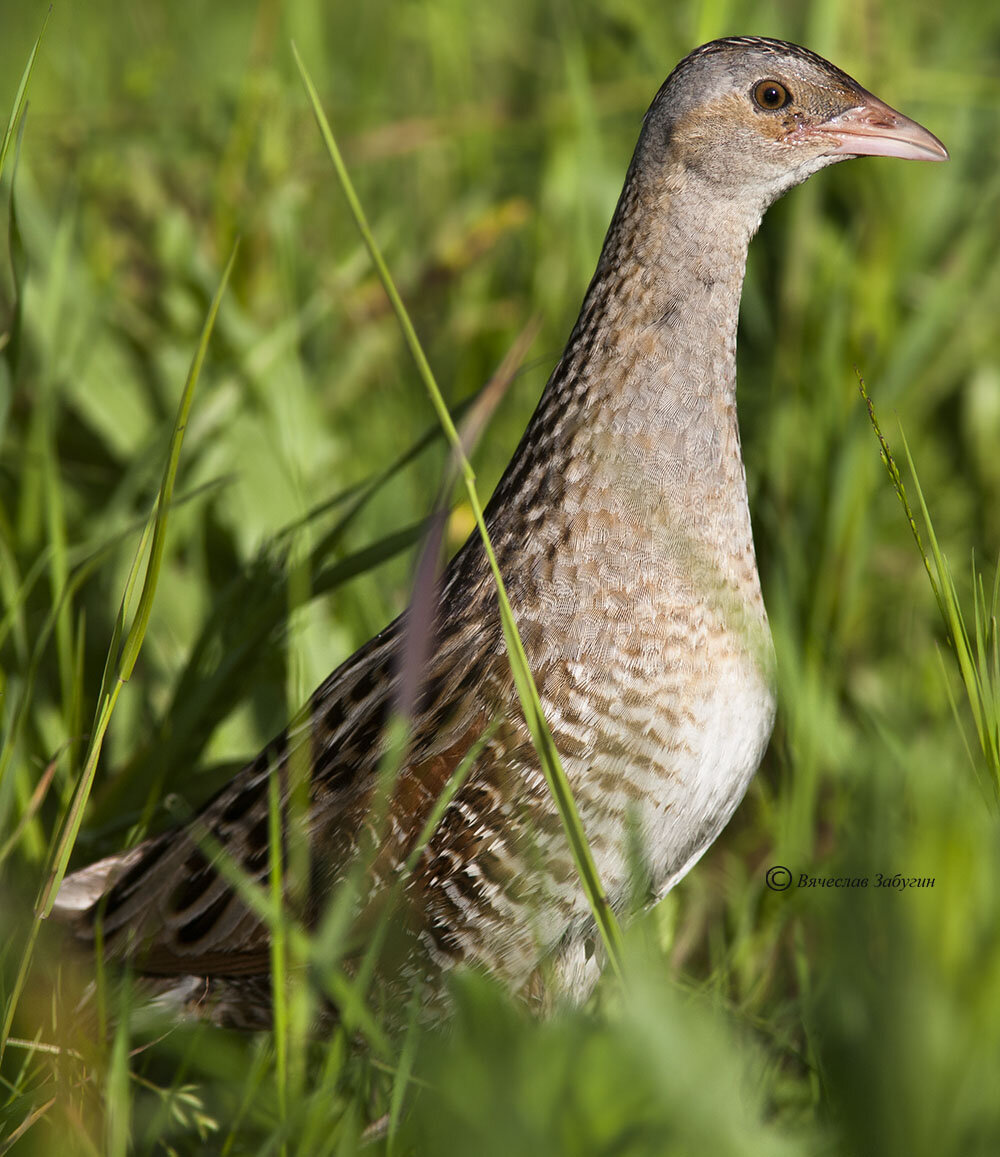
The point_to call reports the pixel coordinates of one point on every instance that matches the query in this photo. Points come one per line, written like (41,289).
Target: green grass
(488,147)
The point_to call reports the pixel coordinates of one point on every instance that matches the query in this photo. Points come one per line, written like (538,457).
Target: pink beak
(873,129)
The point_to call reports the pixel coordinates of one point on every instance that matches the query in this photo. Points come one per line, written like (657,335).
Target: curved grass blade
(19,96)
(129,652)
(979,671)
(541,736)
(121,660)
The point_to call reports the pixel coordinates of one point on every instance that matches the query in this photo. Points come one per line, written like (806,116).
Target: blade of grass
(34,1116)
(37,796)
(18,264)
(527,692)
(19,96)
(10,341)
(118,1103)
(120,664)
(982,691)
(279,946)
(403,1073)
(137,631)
(83,569)
(371,929)
(980,698)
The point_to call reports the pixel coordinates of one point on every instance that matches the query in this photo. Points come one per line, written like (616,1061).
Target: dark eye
(771,95)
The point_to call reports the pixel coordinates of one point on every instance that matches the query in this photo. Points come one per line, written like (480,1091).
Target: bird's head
(756,116)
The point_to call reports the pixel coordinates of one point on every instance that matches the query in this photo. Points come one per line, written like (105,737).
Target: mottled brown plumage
(623,533)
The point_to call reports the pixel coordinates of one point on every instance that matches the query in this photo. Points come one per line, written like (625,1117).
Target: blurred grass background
(488,144)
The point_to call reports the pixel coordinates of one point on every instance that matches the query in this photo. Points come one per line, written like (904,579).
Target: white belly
(723,747)
(687,774)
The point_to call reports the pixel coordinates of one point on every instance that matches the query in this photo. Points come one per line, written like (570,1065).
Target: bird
(621,527)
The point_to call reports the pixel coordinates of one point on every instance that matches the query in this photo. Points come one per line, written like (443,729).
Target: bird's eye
(771,95)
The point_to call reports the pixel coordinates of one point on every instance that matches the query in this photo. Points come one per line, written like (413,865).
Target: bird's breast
(656,672)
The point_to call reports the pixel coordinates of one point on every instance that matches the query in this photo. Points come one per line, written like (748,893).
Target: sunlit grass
(976,650)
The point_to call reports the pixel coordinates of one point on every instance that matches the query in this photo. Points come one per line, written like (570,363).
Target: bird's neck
(656,335)
(644,397)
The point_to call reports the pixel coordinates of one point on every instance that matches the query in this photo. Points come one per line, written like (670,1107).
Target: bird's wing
(172,905)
